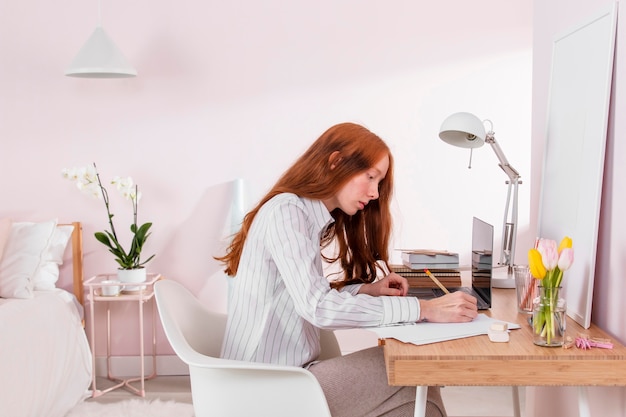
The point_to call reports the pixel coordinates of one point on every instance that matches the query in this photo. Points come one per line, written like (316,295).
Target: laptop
(482,268)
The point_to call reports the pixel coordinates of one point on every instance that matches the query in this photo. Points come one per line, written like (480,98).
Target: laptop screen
(482,258)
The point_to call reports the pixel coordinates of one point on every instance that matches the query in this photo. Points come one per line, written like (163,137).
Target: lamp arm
(504,163)
(509,224)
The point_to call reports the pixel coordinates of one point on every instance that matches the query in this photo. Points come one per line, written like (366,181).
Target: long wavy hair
(362,239)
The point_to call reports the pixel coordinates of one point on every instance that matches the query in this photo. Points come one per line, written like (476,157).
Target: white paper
(425,333)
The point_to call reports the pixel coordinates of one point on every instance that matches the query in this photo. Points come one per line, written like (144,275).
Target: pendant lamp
(100,58)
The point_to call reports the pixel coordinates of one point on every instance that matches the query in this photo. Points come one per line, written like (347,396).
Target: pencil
(436,281)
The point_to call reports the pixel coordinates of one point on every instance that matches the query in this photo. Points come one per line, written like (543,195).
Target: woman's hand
(392,284)
(455,307)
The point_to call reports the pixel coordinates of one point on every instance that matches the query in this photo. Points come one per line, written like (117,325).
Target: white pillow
(23,254)
(47,274)
(5,232)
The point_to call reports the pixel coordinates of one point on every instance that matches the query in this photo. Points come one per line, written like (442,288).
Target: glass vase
(549,317)
(526,289)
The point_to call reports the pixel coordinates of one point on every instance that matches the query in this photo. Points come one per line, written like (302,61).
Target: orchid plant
(88,181)
(547,262)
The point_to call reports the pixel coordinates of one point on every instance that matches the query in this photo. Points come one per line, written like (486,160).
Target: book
(426,282)
(408,271)
(419,279)
(429,256)
(431,266)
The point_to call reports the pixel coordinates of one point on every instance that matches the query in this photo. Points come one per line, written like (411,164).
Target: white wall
(238,90)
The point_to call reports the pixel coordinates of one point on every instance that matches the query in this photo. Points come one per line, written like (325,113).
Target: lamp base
(501,277)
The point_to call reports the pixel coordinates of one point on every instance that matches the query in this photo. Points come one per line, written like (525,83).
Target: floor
(176,388)
(459,401)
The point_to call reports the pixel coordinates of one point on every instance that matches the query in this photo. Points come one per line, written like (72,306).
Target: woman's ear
(334,159)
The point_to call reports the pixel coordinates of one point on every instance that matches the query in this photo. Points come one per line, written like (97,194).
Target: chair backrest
(188,322)
(223,387)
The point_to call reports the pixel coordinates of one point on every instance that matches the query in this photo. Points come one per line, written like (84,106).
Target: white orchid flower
(69,173)
(90,188)
(89,174)
(88,181)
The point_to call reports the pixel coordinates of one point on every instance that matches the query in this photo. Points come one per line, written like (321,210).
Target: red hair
(340,153)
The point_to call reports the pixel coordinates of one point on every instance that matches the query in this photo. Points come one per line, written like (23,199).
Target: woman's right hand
(456,307)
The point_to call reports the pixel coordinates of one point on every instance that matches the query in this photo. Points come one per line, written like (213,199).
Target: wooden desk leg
(583,402)
(421,393)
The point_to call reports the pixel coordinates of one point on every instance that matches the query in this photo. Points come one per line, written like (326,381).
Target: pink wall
(551,18)
(226,91)
(232,90)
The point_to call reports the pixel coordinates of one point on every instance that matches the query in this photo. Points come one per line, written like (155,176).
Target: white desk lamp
(467,131)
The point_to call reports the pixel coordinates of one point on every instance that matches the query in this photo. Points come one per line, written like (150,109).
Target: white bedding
(45,359)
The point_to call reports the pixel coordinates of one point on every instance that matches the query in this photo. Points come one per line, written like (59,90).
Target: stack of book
(419,279)
(430,259)
(443,264)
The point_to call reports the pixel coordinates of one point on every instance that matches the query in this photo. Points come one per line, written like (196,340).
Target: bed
(45,359)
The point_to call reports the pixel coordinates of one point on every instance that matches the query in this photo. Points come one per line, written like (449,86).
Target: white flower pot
(132,276)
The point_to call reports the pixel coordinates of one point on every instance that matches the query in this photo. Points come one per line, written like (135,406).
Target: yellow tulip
(565,243)
(535,264)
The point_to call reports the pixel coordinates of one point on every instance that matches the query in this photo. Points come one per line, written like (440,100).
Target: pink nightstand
(95,295)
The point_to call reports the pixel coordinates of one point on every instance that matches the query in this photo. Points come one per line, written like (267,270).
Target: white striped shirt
(280,297)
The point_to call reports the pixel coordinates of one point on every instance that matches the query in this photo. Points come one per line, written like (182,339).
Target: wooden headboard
(77,260)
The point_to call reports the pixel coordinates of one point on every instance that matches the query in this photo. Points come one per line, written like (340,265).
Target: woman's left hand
(392,284)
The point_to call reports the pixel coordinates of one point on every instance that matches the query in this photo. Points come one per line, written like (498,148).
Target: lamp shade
(100,58)
(463,130)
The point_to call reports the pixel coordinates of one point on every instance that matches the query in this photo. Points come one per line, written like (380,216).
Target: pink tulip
(549,253)
(566,259)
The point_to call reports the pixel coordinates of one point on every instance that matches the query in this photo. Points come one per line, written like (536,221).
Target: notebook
(482,268)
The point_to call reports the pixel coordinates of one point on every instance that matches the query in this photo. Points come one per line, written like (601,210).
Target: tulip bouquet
(547,262)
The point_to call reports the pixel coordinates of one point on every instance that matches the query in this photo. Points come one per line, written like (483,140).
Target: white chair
(223,387)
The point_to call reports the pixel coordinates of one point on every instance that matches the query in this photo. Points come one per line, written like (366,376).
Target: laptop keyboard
(428,293)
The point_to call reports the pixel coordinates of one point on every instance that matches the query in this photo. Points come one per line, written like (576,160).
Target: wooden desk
(477,361)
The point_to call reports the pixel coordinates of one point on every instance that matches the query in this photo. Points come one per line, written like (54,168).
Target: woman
(331,206)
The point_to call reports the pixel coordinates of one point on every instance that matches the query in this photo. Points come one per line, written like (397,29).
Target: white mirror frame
(578,112)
